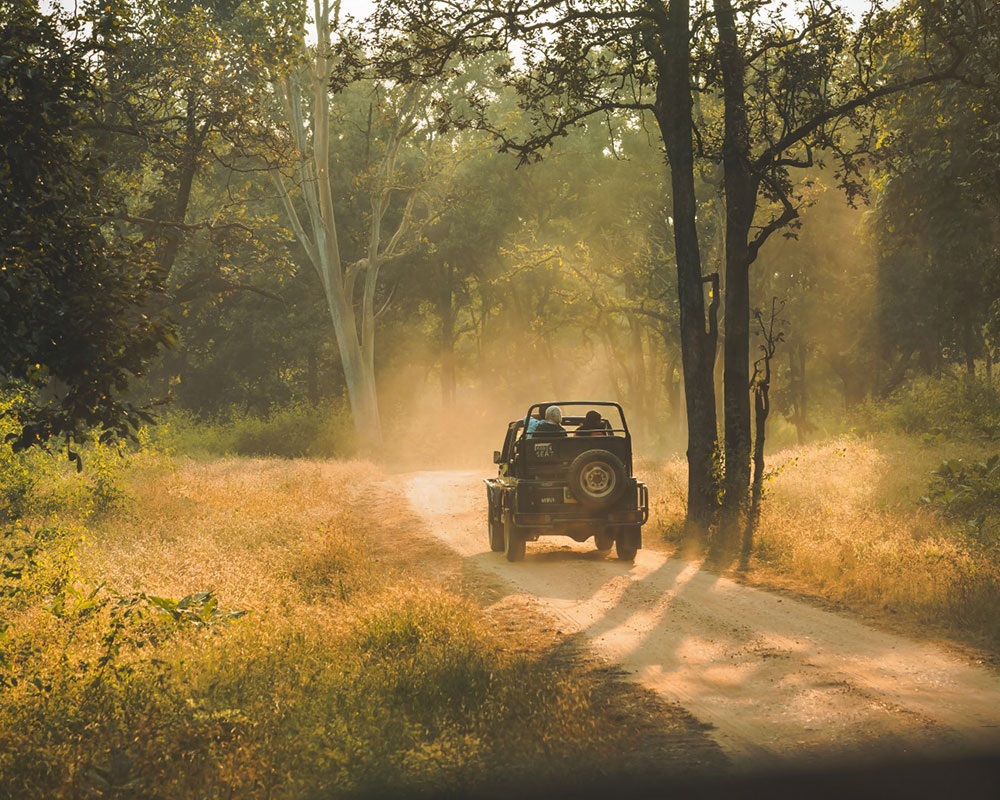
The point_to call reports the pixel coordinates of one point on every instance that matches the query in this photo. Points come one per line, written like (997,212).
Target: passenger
(534,421)
(592,425)
(551,426)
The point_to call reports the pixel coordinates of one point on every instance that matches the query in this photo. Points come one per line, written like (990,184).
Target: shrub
(17,479)
(79,662)
(968,491)
(291,432)
(945,406)
(16,483)
(105,468)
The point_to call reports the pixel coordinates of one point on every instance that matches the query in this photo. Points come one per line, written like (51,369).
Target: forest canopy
(271,205)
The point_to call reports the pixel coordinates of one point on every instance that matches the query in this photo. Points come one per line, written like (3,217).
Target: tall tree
(396,208)
(790,87)
(790,91)
(182,89)
(75,325)
(574,63)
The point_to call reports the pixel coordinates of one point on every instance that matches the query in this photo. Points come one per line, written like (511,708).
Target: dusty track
(778,679)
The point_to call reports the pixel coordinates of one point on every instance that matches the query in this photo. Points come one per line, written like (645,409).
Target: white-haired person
(551,426)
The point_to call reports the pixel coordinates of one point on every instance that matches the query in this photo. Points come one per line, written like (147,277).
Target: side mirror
(496,456)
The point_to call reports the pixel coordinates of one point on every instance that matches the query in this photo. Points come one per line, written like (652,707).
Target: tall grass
(845,520)
(124,671)
(947,406)
(296,431)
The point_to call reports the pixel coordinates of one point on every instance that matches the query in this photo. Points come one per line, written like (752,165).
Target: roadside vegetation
(897,515)
(203,628)
(292,431)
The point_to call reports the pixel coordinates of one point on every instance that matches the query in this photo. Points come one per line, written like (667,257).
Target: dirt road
(777,679)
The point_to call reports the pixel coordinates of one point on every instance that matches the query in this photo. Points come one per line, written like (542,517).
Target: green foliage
(104,470)
(37,564)
(292,432)
(17,480)
(40,484)
(943,406)
(969,491)
(76,658)
(936,252)
(75,321)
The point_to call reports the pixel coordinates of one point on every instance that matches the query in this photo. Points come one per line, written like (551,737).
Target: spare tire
(597,478)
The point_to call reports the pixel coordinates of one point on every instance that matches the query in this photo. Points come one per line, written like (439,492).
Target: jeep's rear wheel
(513,539)
(628,541)
(597,478)
(603,540)
(495,529)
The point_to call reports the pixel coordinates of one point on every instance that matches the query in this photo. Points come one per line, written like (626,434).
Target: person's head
(553,414)
(592,421)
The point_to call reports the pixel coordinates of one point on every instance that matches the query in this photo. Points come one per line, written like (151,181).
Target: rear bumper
(627,514)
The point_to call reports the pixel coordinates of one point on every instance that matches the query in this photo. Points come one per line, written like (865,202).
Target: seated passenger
(551,426)
(534,421)
(592,425)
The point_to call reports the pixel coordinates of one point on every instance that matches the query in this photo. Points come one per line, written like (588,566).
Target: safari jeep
(579,484)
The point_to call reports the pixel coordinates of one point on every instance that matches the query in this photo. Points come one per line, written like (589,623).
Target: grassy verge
(845,520)
(221,629)
(295,431)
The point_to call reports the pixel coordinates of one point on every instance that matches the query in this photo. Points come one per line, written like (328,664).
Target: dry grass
(257,531)
(842,520)
(346,676)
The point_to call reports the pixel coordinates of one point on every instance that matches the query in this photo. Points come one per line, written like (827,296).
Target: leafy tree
(789,88)
(933,229)
(403,156)
(183,89)
(75,325)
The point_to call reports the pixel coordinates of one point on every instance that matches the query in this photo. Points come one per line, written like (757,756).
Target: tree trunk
(970,345)
(797,380)
(803,391)
(638,378)
(741,203)
(446,313)
(359,380)
(188,168)
(312,381)
(673,113)
(762,407)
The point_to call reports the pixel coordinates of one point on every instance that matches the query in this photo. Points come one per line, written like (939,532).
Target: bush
(968,491)
(105,468)
(293,432)
(78,662)
(16,483)
(945,406)
(17,479)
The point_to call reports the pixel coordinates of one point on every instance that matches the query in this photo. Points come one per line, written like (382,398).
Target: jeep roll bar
(607,403)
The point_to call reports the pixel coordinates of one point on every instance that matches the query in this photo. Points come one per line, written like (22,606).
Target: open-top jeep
(577,484)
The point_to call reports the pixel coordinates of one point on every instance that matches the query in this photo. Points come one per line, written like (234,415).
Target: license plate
(568,496)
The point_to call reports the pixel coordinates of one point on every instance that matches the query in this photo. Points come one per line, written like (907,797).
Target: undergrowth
(221,630)
(876,524)
(937,408)
(300,430)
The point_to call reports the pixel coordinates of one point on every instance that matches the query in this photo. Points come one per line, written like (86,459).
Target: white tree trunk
(318,232)
(312,140)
